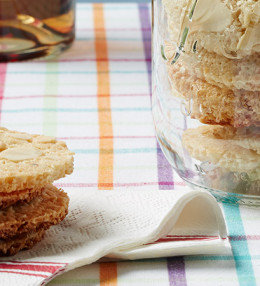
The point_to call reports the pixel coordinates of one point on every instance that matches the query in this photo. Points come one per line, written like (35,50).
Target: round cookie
(235,150)
(31,161)
(212,104)
(20,242)
(45,210)
(223,72)
(226,27)
(7,199)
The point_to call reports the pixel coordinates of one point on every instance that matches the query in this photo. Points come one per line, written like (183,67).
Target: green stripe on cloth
(235,226)
(51,88)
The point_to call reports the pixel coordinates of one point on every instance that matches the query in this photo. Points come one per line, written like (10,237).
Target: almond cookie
(229,28)
(235,150)
(212,104)
(31,161)
(45,210)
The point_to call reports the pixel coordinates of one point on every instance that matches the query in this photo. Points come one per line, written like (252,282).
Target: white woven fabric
(128,225)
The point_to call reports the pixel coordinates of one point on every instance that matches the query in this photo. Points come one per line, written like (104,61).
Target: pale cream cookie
(212,104)
(225,73)
(226,27)
(235,150)
(29,162)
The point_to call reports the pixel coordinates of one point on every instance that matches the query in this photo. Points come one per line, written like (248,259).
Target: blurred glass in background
(35,28)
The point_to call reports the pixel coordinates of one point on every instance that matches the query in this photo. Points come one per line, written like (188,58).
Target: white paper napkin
(123,225)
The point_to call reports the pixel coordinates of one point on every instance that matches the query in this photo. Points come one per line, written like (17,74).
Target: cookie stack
(29,203)
(219,74)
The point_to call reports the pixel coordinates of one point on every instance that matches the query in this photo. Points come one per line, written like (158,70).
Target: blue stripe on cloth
(222,257)
(235,226)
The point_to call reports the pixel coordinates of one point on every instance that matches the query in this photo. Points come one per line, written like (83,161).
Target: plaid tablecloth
(97,97)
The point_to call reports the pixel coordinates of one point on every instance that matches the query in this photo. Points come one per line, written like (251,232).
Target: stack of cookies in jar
(217,69)
(29,203)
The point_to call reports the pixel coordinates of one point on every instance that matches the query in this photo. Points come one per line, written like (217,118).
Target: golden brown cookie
(7,199)
(31,161)
(235,150)
(20,242)
(212,104)
(45,210)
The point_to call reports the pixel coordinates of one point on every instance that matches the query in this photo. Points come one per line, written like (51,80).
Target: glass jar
(206,91)
(30,29)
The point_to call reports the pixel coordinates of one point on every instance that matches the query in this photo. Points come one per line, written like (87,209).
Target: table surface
(97,97)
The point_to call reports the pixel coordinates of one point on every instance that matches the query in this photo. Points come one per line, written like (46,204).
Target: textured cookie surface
(10,198)
(212,104)
(226,27)
(236,150)
(223,72)
(47,209)
(29,161)
(20,242)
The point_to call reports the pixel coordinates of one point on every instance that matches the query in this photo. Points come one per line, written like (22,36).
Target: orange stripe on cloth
(108,274)
(105,170)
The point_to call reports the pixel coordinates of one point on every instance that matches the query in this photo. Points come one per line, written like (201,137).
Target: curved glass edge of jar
(172,117)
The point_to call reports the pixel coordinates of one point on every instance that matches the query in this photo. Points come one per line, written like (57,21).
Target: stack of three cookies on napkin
(29,203)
